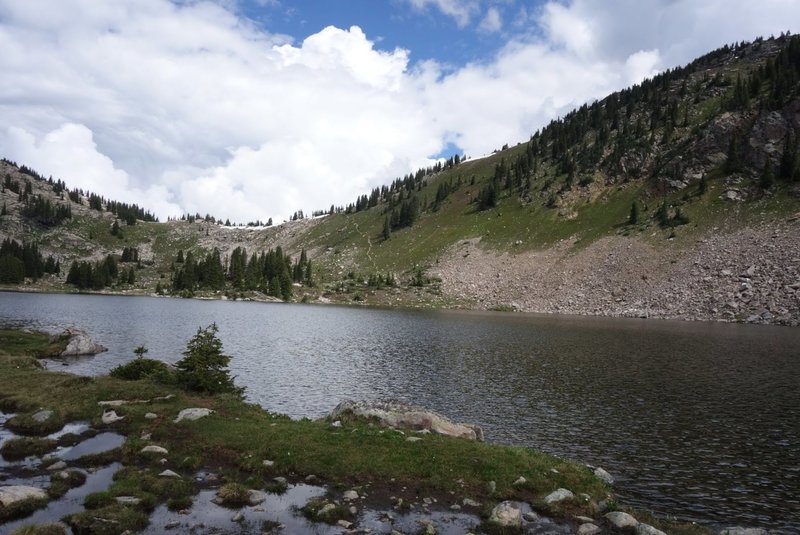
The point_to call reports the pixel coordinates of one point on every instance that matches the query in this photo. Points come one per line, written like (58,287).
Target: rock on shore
(80,343)
(405,416)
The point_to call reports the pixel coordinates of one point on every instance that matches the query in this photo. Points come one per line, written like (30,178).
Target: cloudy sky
(249,109)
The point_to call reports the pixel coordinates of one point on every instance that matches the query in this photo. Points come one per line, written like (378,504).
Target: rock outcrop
(402,415)
(80,343)
(17,493)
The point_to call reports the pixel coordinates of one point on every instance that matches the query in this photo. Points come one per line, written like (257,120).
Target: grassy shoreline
(237,439)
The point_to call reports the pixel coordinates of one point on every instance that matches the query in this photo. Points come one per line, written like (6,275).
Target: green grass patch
(34,344)
(233,495)
(62,482)
(16,449)
(110,520)
(21,509)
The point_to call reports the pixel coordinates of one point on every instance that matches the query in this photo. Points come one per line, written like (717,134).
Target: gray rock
(168,473)
(151,416)
(737,530)
(647,529)
(42,416)
(238,517)
(128,500)
(344,524)
(558,495)
(520,481)
(172,525)
(405,416)
(80,343)
(605,476)
(621,520)
(588,529)
(256,497)
(350,495)
(336,423)
(506,514)
(17,493)
(268,464)
(154,449)
(192,414)
(469,502)
(530,516)
(413,439)
(60,465)
(325,509)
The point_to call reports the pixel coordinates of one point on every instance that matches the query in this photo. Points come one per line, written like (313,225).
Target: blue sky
(426,32)
(251,109)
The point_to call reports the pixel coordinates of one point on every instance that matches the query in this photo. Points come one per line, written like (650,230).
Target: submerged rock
(80,343)
(18,493)
(405,416)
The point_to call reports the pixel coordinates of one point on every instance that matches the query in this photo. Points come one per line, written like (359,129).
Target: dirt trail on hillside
(748,275)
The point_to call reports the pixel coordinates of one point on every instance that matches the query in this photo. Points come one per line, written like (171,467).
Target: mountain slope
(706,155)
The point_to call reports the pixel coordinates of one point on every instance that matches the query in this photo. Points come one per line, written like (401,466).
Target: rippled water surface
(697,420)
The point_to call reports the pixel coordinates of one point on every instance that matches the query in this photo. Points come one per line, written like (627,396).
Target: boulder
(558,495)
(256,497)
(350,495)
(80,343)
(605,476)
(168,473)
(588,529)
(647,529)
(621,520)
(405,416)
(18,493)
(192,414)
(506,514)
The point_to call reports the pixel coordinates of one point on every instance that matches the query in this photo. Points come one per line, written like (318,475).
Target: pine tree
(767,177)
(204,368)
(387,229)
(633,218)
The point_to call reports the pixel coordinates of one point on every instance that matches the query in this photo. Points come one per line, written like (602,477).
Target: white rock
(337,423)
(168,473)
(469,502)
(192,414)
(128,500)
(558,495)
(151,416)
(621,520)
(588,529)
(60,465)
(350,495)
(646,529)
(325,509)
(154,449)
(238,517)
(506,514)
(605,476)
(344,524)
(268,464)
(112,403)
(80,343)
(109,417)
(17,493)
(413,439)
(520,481)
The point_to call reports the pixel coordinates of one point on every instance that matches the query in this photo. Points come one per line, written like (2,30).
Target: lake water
(700,421)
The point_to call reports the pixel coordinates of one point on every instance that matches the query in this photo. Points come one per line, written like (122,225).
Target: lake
(696,420)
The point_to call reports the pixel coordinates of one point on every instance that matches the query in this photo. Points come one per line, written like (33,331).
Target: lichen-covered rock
(405,416)
(506,514)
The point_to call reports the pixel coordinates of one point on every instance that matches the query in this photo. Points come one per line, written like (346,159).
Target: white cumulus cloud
(189,107)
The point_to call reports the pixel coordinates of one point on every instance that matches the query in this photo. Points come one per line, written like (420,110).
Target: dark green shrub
(142,368)
(204,368)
